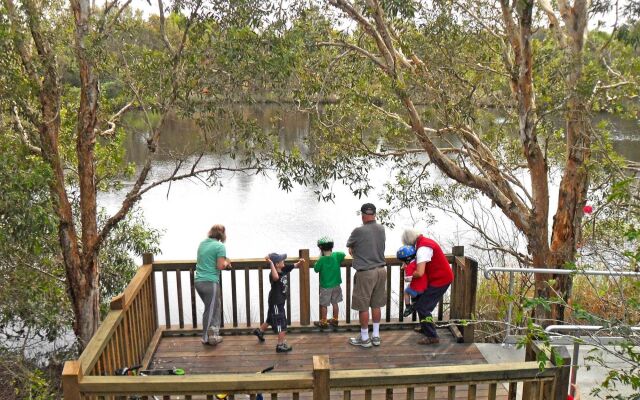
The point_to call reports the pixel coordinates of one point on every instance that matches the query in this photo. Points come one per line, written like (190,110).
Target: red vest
(438,270)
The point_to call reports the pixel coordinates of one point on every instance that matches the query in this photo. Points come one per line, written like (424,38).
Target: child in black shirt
(276,315)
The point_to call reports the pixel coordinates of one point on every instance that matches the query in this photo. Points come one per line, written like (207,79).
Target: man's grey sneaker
(357,341)
(283,348)
(375,340)
(259,334)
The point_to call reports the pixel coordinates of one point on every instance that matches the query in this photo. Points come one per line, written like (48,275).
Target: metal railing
(578,341)
(555,328)
(550,271)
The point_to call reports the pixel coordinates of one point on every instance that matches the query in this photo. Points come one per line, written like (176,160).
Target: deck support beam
(321,378)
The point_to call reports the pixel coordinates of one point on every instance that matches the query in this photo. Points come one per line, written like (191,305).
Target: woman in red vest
(430,261)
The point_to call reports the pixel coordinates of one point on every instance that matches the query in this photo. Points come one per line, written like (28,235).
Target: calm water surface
(260,218)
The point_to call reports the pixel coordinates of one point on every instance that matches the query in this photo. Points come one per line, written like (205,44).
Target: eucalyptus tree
(74,127)
(474,90)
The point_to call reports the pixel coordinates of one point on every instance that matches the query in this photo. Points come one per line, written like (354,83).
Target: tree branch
(163,30)
(554,23)
(19,42)
(24,137)
(350,10)
(359,50)
(112,121)
(135,194)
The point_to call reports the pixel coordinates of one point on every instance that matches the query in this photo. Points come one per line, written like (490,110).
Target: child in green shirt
(328,266)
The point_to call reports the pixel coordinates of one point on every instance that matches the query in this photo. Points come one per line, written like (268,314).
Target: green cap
(324,240)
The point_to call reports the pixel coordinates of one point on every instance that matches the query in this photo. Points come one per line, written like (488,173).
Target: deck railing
(131,331)
(490,381)
(249,277)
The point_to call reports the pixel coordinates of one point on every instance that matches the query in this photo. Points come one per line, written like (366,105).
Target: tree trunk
(567,222)
(85,294)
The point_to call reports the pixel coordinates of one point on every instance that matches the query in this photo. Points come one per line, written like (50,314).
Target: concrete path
(587,378)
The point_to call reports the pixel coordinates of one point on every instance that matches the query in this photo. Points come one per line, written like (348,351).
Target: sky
(608,20)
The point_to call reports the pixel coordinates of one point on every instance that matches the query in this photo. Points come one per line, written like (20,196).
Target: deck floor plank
(245,354)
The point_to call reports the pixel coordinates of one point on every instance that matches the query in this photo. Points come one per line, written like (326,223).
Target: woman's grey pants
(209,293)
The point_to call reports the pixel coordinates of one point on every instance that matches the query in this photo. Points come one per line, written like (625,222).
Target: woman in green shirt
(212,258)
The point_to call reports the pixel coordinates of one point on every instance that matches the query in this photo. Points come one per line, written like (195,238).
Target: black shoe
(283,348)
(259,334)
(408,310)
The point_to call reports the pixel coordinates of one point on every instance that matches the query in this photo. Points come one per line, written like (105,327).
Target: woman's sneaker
(214,340)
(375,340)
(334,322)
(283,348)
(358,341)
(259,334)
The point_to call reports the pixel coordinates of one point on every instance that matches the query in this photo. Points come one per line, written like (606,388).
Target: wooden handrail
(196,384)
(96,346)
(441,375)
(258,263)
(122,340)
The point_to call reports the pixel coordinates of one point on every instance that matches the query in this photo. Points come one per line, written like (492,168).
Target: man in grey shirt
(366,246)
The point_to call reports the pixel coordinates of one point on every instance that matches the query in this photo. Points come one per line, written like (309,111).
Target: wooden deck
(322,366)
(245,354)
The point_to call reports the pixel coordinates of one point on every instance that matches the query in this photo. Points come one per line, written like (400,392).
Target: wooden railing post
(147,258)
(559,358)
(530,354)
(305,295)
(456,292)
(562,361)
(471,287)
(457,251)
(321,376)
(71,375)
(463,292)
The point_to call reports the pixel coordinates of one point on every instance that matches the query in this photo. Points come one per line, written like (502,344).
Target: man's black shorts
(277,318)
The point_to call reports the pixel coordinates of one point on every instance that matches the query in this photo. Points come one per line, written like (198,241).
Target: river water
(259,217)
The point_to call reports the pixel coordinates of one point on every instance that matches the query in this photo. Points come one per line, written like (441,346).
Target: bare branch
(553,21)
(369,28)
(136,193)
(24,137)
(481,67)
(163,30)
(21,46)
(104,28)
(357,49)
(112,121)
(479,20)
